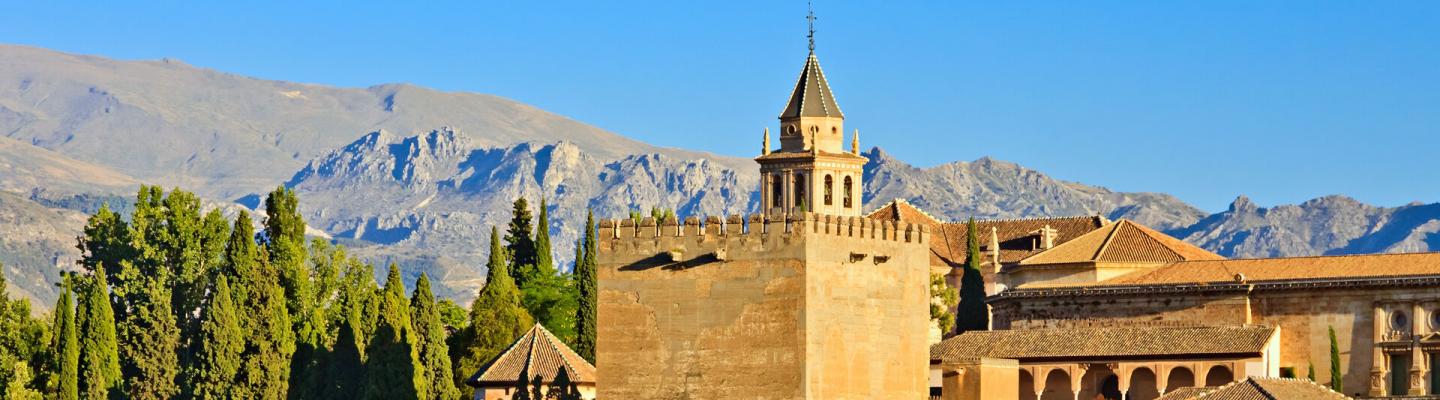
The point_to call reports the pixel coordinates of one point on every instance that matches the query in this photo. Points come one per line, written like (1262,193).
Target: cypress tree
(392,370)
(520,243)
(285,241)
(344,370)
(587,311)
(544,260)
(1337,378)
(497,317)
(973,314)
(269,338)
(65,347)
(148,341)
(430,339)
(99,367)
(15,389)
(1311,374)
(220,346)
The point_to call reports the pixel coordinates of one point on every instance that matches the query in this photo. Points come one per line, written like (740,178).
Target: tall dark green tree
(586,311)
(99,367)
(66,346)
(344,369)
(973,315)
(217,357)
(497,317)
(285,242)
(520,243)
(430,340)
(393,369)
(1337,377)
(544,259)
(269,338)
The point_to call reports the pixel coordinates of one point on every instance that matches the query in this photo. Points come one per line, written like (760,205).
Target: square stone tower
(804,306)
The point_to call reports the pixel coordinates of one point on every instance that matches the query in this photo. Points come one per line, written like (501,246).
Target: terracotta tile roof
(537,352)
(1122,241)
(1017,236)
(1259,388)
(1104,342)
(1261,270)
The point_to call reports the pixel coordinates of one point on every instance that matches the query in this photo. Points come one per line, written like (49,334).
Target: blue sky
(1281,101)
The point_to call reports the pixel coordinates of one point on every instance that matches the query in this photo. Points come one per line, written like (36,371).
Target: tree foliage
(942,298)
(220,346)
(497,317)
(393,369)
(973,315)
(520,243)
(587,307)
(1337,376)
(99,368)
(430,336)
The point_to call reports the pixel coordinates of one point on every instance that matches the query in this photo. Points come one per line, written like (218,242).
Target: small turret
(765,146)
(854,142)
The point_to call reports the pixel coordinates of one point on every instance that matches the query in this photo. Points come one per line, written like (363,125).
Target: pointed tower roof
(537,353)
(812,96)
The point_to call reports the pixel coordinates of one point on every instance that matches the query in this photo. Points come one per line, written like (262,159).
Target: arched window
(829,190)
(800,193)
(848,191)
(777,192)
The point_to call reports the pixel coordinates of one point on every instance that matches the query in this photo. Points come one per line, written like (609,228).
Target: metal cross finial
(810,18)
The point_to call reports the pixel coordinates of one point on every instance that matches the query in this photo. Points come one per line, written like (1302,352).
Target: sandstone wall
(762,309)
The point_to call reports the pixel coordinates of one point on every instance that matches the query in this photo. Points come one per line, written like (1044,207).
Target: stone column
(1418,364)
(1162,378)
(1122,377)
(789,185)
(1077,379)
(766,181)
(1378,363)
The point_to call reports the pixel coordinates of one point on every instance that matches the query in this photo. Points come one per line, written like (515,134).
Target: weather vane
(810,18)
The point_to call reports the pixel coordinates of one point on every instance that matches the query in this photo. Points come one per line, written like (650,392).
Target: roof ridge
(550,338)
(1109,237)
(1026,219)
(530,357)
(1150,234)
(486,368)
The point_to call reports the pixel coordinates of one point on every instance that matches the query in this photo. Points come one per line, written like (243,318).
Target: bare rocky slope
(436,170)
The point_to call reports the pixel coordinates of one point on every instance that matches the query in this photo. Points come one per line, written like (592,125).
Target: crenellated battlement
(798,224)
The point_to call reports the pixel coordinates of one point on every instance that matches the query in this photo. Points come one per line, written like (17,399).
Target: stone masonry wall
(747,309)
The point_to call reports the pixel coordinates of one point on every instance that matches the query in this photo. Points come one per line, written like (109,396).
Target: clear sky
(1281,101)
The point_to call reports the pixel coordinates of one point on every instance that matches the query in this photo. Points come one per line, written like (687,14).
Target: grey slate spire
(812,96)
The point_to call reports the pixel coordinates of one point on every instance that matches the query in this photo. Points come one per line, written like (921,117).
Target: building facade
(807,301)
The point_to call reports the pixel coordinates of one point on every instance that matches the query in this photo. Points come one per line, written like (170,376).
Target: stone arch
(1057,385)
(1143,385)
(800,193)
(1099,380)
(1027,385)
(1219,375)
(829,190)
(849,192)
(777,191)
(1179,377)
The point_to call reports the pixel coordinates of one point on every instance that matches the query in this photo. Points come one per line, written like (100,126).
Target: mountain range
(410,175)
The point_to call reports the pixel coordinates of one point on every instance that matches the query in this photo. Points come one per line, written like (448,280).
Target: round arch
(1057,386)
(1143,385)
(1099,381)
(1219,375)
(1180,377)
(1027,385)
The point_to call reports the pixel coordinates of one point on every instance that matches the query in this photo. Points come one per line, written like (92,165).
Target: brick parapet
(755,225)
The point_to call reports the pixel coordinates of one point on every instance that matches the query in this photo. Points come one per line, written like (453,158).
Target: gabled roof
(537,352)
(1259,388)
(899,210)
(811,97)
(1104,343)
(1123,241)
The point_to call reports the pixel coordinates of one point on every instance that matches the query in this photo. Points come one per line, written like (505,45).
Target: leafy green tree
(99,362)
(16,389)
(430,340)
(220,346)
(973,314)
(1337,377)
(26,344)
(520,243)
(497,317)
(148,338)
(393,370)
(285,241)
(548,295)
(586,310)
(66,346)
(452,315)
(942,298)
(344,370)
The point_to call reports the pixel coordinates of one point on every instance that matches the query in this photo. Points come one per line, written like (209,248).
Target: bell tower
(812,171)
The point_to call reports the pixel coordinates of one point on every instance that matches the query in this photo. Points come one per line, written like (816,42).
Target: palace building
(820,297)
